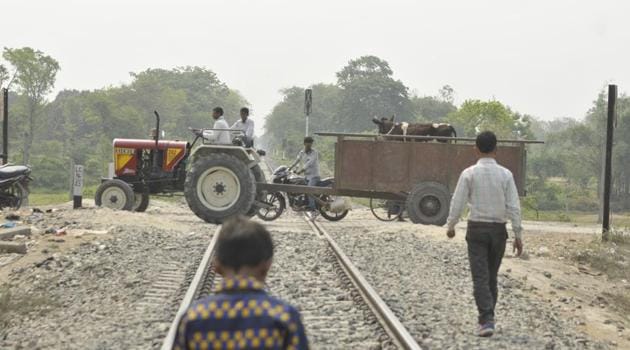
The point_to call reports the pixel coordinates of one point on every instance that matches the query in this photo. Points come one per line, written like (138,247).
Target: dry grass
(621,302)
(611,257)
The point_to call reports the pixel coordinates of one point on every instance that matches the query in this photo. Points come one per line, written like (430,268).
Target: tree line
(563,174)
(78,126)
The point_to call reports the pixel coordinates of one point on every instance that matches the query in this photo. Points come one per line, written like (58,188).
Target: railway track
(339,308)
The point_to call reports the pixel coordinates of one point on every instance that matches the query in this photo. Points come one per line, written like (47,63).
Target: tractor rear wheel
(428,203)
(219,186)
(115,194)
(259,176)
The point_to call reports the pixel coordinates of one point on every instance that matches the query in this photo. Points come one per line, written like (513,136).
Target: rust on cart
(372,163)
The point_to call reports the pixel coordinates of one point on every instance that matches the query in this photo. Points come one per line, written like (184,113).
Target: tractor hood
(127,154)
(148,144)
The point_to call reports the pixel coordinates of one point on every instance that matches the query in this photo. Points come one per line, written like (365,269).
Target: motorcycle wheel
(385,210)
(19,196)
(329,215)
(277,201)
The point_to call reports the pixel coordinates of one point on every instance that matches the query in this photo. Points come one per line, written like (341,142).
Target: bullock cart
(422,175)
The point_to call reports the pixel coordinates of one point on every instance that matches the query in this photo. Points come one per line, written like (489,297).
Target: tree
(368,91)
(80,125)
(475,116)
(284,126)
(447,94)
(365,67)
(35,78)
(4,75)
(430,109)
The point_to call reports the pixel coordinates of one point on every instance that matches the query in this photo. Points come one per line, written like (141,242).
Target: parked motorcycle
(14,180)
(275,203)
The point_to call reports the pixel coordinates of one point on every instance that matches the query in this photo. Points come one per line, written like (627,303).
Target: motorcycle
(14,180)
(274,204)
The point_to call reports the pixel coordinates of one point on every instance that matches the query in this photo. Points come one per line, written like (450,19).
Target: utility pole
(5,126)
(308,105)
(612,99)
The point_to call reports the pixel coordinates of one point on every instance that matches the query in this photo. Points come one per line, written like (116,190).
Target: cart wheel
(386,210)
(277,201)
(428,204)
(115,194)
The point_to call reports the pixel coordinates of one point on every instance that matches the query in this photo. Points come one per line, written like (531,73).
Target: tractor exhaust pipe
(157,138)
(157,128)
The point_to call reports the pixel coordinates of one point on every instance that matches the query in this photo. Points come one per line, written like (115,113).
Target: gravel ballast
(303,273)
(97,294)
(427,284)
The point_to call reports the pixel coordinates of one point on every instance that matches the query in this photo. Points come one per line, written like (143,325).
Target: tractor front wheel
(115,194)
(219,186)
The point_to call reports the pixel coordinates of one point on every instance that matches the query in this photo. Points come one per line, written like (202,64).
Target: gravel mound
(97,295)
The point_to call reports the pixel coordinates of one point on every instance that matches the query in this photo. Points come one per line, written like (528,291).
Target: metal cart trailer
(420,173)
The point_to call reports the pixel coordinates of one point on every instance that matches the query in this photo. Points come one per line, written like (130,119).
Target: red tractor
(218,181)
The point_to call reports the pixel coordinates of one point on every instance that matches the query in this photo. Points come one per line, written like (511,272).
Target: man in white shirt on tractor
(247,126)
(221,137)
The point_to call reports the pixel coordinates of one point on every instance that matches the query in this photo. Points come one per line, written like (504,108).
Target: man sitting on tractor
(218,136)
(247,126)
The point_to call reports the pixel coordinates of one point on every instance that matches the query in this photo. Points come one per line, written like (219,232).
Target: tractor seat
(13,170)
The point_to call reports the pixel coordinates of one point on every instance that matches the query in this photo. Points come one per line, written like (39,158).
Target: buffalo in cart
(421,176)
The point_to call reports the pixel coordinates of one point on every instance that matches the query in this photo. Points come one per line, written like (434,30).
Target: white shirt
(311,162)
(247,127)
(219,137)
(491,193)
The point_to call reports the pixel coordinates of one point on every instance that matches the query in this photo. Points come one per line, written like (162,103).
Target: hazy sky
(548,58)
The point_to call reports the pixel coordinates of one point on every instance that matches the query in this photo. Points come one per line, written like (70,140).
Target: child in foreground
(241,315)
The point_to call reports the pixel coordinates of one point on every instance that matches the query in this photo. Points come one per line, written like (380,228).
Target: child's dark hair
(243,242)
(486,142)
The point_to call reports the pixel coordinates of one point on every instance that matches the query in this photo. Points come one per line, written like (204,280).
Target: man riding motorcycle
(310,168)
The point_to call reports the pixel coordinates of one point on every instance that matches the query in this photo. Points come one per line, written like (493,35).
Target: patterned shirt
(240,315)
(491,193)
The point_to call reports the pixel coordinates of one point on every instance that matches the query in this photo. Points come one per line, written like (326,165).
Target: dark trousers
(486,246)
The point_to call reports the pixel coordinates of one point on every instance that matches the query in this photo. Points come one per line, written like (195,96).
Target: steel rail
(193,290)
(388,320)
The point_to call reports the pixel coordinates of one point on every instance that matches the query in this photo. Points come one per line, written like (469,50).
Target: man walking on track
(491,193)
